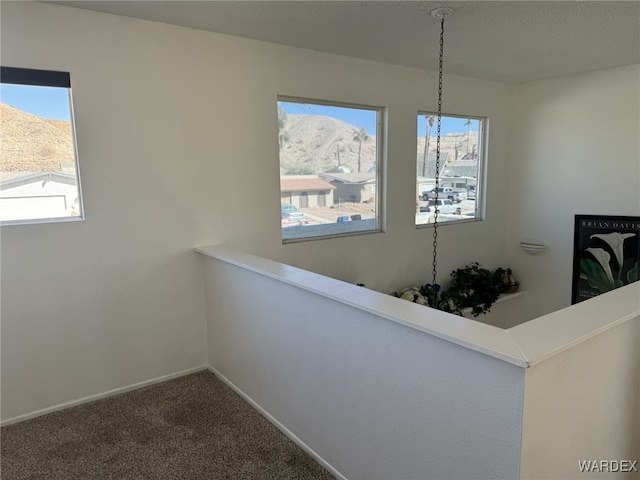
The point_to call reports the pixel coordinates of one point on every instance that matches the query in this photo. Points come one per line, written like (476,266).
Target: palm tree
(360,136)
(282,121)
(468,125)
(430,119)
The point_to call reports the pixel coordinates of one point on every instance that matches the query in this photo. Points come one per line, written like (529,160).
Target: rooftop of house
(359,177)
(298,183)
(15,179)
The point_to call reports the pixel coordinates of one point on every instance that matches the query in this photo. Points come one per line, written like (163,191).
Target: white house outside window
(39,177)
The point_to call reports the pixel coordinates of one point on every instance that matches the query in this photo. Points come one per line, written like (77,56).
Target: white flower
(616,242)
(603,258)
(408,295)
(421,300)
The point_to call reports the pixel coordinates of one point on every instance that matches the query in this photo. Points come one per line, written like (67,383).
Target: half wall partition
(375,387)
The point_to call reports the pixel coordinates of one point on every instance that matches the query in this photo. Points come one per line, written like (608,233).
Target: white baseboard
(99,396)
(279,425)
(164,378)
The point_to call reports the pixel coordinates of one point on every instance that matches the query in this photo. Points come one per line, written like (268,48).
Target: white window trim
(480,201)
(48,78)
(341,230)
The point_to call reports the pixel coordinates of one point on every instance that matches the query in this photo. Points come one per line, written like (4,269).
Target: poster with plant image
(606,254)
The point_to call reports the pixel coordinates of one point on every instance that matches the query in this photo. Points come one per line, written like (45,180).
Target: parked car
(445,206)
(289,212)
(445,192)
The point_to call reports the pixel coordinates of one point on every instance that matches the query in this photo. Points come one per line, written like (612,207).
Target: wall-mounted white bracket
(533,248)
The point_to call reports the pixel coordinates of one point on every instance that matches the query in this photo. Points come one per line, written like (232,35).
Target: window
(329,168)
(461,159)
(39,180)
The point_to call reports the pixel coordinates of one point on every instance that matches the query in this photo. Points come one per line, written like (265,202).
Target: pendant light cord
(437,182)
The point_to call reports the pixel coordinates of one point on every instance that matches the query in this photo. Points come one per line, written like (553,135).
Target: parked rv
(471,192)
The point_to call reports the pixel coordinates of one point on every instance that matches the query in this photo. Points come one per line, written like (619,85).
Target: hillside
(29,143)
(448,143)
(311,144)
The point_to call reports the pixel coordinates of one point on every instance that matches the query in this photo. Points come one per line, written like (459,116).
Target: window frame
(57,79)
(481,168)
(312,232)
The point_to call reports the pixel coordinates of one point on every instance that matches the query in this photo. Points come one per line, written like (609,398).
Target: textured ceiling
(506,41)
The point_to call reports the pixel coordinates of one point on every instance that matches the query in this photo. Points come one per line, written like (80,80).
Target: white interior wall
(370,397)
(117,299)
(576,150)
(583,405)
(402,391)
(177,142)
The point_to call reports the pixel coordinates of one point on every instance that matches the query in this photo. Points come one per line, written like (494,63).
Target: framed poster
(606,254)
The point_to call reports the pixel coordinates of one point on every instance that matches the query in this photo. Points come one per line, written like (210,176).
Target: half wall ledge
(524,345)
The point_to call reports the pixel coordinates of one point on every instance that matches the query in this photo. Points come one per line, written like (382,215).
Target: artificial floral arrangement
(472,289)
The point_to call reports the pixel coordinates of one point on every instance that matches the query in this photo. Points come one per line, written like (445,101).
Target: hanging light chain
(437,182)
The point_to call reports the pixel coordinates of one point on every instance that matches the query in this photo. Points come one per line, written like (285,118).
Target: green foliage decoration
(472,289)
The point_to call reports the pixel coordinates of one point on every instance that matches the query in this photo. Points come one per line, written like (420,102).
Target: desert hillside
(450,143)
(309,144)
(313,144)
(29,143)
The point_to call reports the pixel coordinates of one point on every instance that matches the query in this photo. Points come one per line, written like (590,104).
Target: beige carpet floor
(193,427)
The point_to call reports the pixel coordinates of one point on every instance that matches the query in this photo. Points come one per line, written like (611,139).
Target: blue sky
(45,102)
(367,118)
(449,125)
(53,102)
(356,117)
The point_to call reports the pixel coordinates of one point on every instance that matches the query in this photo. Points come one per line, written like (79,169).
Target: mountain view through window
(329,169)
(38,169)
